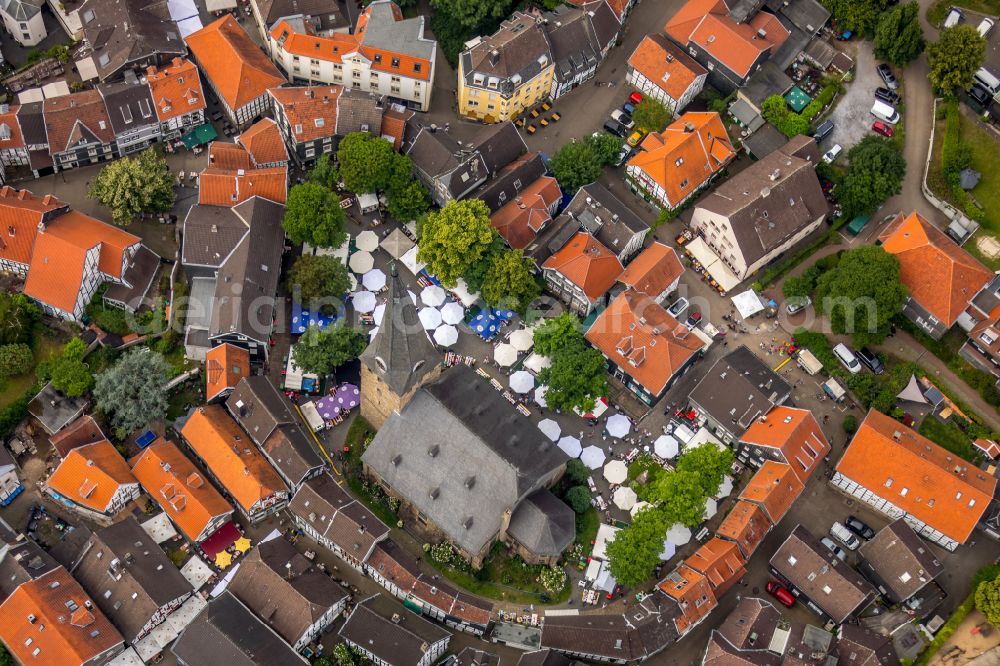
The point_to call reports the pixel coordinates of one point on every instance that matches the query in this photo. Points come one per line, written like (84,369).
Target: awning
(223,538)
(711,263)
(219,5)
(797,99)
(86,68)
(201,134)
(748,303)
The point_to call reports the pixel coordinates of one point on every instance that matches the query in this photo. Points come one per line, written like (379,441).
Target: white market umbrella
(678,535)
(354,281)
(364,301)
(593,457)
(396,244)
(361,262)
(665,446)
(570,446)
(522,339)
(432,295)
(367,240)
(430,318)
(669,550)
(615,471)
(446,335)
(374,279)
(452,313)
(372,333)
(540,395)
(637,507)
(624,498)
(379,313)
(505,355)
(618,425)
(711,508)
(726,489)
(522,381)
(550,429)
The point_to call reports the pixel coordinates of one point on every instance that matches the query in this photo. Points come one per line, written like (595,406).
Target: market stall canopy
(364,301)
(522,339)
(463,294)
(374,279)
(624,498)
(669,550)
(540,395)
(536,363)
(748,303)
(550,429)
(430,318)
(711,508)
(570,446)
(711,263)
(505,355)
(446,335)
(522,381)
(452,313)
(726,487)
(361,262)
(432,295)
(678,535)
(485,324)
(409,260)
(200,135)
(637,507)
(666,446)
(367,240)
(615,471)
(396,244)
(593,457)
(379,313)
(605,535)
(618,425)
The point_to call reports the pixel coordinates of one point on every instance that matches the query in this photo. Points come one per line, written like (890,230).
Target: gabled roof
(686,154)
(335,515)
(20,214)
(232,62)
(331,14)
(11,136)
(184,494)
(521,47)
(79,433)
(587,264)
(231,456)
(77,119)
(901,561)
(311,110)
(668,67)
(919,477)
(385,32)
(643,339)
(358,111)
(693,593)
(212,233)
(129,105)
(372,624)
(720,561)
(747,525)
(505,185)
(91,475)
(230,178)
(176,89)
(122,33)
(225,366)
(796,433)
(263,143)
(940,276)
(543,523)
(522,217)
(775,488)
(653,270)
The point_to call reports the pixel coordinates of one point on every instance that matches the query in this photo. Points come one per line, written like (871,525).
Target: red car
(780,593)
(882,128)
(635,98)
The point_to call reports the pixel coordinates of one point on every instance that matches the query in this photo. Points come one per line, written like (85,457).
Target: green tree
(15,359)
(320,351)
(635,551)
(409,202)
(575,164)
(605,146)
(343,655)
(313,215)
(558,333)
(131,391)
(472,14)
(319,281)
(578,498)
(898,37)
(324,172)
(67,371)
(955,57)
(862,294)
(988,600)
(875,173)
(709,463)
(577,472)
(576,378)
(850,424)
(475,276)
(860,16)
(18,315)
(775,110)
(510,282)
(455,238)
(370,164)
(651,115)
(682,496)
(133,186)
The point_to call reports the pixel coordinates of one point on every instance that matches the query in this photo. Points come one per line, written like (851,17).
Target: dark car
(780,593)
(871,360)
(886,95)
(890,79)
(859,528)
(980,95)
(616,128)
(823,130)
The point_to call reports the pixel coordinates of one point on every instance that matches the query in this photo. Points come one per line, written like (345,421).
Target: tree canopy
(313,215)
(876,172)
(558,333)
(131,186)
(651,115)
(709,463)
(862,293)
(775,110)
(18,315)
(67,371)
(955,57)
(455,238)
(15,359)
(635,550)
(472,13)
(320,351)
(898,36)
(861,16)
(574,165)
(131,391)
(475,276)
(578,499)
(370,164)
(319,281)
(576,378)
(605,146)
(510,282)
(324,172)
(988,600)
(410,202)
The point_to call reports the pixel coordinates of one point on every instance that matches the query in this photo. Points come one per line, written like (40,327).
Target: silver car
(834,548)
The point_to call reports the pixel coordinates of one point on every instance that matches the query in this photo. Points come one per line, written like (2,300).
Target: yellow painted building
(502,75)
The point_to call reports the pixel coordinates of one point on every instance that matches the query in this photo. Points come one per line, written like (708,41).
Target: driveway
(851,116)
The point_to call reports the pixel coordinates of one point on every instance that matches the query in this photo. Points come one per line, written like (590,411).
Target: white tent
(432,295)
(219,5)
(615,471)
(504,354)
(430,318)
(396,244)
(452,313)
(624,498)
(683,433)
(665,446)
(703,436)
(700,250)
(593,457)
(618,425)
(605,581)
(540,395)
(379,313)
(637,507)
(372,333)
(711,508)
(678,535)
(913,392)
(522,339)
(536,362)
(522,381)
(374,279)
(361,262)
(726,489)
(748,303)
(570,446)
(463,294)
(605,535)
(367,240)
(409,260)
(669,550)
(446,335)
(364,301)
(550,429)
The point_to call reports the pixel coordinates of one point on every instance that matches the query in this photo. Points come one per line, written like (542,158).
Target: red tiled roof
(653,270)
(234,64)
(394,125)
(79,433)
(693,594)
(91,475)
(225,365)
(940,276)
(720,561)
(263,143)
(303,106)
(989,447)
(668,67)
(16,138)
(520,219)
(747,525)
(775,488)
(585,262)
(176,89)
(223,187)
(70,118)
(794,432)
(20,213)
(926,481)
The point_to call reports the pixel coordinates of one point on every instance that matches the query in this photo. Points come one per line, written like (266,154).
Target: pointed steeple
(400,353)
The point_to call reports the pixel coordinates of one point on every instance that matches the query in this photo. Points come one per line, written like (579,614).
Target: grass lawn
(12,388)
(180,398)
(586,528)
(949,436)
(986,160)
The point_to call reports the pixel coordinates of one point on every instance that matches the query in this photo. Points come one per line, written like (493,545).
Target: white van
(845,536)
(847,358)
(984,26)
(954,16)
(986,79)
(885,112)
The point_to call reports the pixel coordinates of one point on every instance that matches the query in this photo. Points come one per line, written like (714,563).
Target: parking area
(851,116)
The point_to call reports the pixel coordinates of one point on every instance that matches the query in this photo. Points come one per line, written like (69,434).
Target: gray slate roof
(331,14)
(23,562)
(463,456)
(543,524)
(400,354)
(898,560)
(407,36)
(358,111)
(121,33)
(21,10)
(138,277)
(519,48)
(394,635)
(605,216)
(226,632)
(510,180)
(578,36)
(31,118)
(473,657)
(211,233)
(807,15)
(334,513)
(766,81)
(764,141)
(130,105)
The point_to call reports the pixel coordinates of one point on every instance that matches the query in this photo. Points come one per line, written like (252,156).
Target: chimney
(309,93)
(688,127)
(494,57)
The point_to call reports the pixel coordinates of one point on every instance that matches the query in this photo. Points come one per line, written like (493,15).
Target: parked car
(833,153)
(780,593)
(623,155)
(834,548)
(984,26)
(823,130)
(888,77)
(797,304)
(871,360)
(980,95)
(678,307)
(635,98)
(615,127)
(693,320)
(628,107)
(845,536)
(882,128)
(623,118)
(954,16)
(886,95)
(847,358)
(860,528)
(635,138)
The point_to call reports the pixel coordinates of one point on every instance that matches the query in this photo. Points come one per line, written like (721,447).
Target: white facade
(9,483)
(560,88)
(651,89)
(321,623)
(23,21)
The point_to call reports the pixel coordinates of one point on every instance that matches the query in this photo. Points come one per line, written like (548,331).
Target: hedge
(955,156)
(16,411)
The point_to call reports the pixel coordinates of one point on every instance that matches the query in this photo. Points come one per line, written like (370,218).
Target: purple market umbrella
(327,407)
(348,396)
